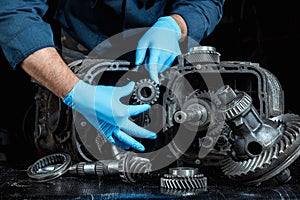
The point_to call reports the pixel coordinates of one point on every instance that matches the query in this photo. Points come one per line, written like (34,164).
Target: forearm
(181,23)
(49,69)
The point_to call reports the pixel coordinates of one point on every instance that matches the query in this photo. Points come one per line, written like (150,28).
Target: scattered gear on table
(186,179)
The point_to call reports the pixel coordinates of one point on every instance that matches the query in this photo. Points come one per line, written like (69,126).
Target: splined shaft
(99,168)
(129,166)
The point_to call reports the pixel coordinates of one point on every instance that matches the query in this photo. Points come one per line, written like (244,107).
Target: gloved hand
(162,40)
(101,106)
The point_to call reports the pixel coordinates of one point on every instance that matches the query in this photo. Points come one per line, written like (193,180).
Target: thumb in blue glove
(162,41)
(101,106)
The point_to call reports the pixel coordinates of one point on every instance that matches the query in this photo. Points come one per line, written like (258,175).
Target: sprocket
(146,91)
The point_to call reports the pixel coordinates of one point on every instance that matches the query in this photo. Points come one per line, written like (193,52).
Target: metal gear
(239,103)
(205,102)
(272,161)
(202,55)
(216,125)
(146,91)
(132,167)
(49,167)
(183,178)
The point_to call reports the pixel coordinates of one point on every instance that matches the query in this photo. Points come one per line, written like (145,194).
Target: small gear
(146,91)
(183,178)
(242,103)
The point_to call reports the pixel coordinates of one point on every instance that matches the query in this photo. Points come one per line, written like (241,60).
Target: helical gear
(271,161)
(146,91)
(183,181)
(132,167)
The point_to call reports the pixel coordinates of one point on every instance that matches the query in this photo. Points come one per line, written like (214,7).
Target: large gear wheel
(146,91)
(272,161)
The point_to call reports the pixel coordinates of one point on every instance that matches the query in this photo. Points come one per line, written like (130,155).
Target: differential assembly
(206,113)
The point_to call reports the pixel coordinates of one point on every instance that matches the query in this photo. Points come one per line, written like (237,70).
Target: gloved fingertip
(140,56)
(145,107)
(111,139)
(125,147)
(137,109)
(139,147)
(153,137)
(153,73)
(138,62)
(131,84)
(154,77)
(126,89)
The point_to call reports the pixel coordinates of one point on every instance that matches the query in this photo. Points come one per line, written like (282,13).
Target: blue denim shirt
(23,29)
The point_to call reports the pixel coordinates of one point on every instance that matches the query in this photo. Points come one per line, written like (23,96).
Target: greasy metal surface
(15,184)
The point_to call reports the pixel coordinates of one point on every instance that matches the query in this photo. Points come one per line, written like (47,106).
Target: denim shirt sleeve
(22,29)
(201,16)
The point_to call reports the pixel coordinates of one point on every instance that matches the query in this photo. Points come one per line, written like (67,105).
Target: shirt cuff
(27,42)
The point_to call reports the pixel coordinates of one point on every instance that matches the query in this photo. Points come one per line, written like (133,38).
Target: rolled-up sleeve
(201,16)
(22,29)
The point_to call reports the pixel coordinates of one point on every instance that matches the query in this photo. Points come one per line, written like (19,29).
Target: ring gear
(271,161)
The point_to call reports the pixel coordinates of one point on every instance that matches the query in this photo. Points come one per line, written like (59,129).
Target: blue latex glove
(162,41)
(101,106)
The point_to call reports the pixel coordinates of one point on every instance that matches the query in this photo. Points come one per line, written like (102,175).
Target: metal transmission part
(183,181)
(49,167)
(222,125)
(201,55)
(194,112)
(253,135)
(129,167)
(146,91)
(272,162)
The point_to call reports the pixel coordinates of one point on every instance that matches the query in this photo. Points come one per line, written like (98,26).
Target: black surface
(15,184)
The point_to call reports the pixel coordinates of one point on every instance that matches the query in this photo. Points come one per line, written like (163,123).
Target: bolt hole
(146,92)
(254,148)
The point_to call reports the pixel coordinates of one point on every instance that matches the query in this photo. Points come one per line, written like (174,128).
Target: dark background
(265,32)
(260,31)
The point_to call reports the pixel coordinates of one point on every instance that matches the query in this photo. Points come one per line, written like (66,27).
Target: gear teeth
(80,169)
(131,167)
(151,87)
(184,182)
(243,104)
(100,169)
(183,179)
(267,162)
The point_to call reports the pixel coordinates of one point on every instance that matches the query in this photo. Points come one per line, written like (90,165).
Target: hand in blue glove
(162,41)
(101,106)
